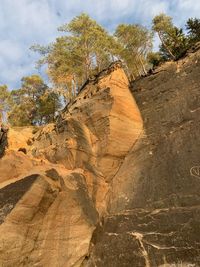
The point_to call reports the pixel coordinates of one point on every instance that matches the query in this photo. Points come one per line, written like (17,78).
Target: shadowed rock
(155,195)
(12,193)
(117,185)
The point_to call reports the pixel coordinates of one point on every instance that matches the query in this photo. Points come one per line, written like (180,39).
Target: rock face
(112,183)
(154,201)
(54,195)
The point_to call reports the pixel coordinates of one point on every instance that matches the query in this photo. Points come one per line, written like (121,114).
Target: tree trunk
(142,64)
(74,86)
(135,63)
(1,117)
(87,60)
(166,47)
(98,63)
(139,73)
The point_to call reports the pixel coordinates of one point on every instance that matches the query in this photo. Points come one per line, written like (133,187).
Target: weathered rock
(155,196)
(18,137)
(142,238)
(104,187)
(72,164)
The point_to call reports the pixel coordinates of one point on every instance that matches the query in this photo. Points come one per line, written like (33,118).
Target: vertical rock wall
(155,196)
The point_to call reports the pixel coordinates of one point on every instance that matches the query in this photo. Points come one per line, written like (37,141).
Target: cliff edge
(114,182)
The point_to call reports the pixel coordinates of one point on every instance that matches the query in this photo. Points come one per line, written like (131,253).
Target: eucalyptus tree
(85,48)
(32,104)
(174,43)
(135,42)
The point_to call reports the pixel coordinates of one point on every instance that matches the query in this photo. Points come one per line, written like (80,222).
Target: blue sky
(25,22)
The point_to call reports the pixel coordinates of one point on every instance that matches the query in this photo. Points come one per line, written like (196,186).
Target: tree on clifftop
(135,42)
(33,104)
(193,28)
(162,24)
(90,42)
(173,41)
(85,49)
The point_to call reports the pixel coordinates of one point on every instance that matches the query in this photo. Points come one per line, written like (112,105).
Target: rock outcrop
(112,183)
(61,184)
(154,203)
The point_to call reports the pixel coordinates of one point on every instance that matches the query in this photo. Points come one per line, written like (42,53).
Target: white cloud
(24,22)
(27,18)
(14,72)
(10,51)
(189,6)
(184,9)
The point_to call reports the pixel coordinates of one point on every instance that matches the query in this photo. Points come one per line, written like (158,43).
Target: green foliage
(174,43)
(86,49)
(48,104)
(135,42)
(33,104)
(155,58)
(19,115)
(162,24)
(193,28)
(177,43)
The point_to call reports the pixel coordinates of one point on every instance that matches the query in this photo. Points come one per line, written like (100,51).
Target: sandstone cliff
(112,183)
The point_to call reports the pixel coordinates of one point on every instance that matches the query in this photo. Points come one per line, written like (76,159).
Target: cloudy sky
(25,22)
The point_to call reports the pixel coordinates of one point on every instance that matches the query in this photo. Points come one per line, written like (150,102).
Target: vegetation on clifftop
(33,104)
(83,50)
